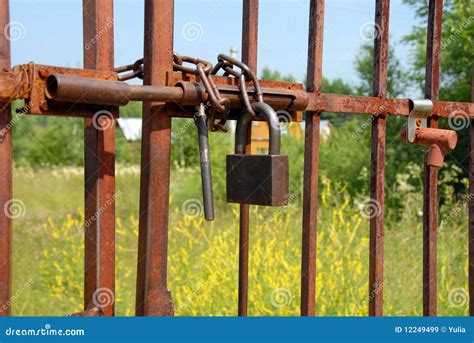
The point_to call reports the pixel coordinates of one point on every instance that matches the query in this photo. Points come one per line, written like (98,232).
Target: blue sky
(52,32)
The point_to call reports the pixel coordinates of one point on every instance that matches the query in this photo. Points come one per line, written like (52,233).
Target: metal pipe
(205,158)
(65,88)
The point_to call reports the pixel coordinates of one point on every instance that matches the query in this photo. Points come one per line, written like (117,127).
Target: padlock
(258,179)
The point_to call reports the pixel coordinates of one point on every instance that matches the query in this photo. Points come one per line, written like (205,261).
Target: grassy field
(203,260)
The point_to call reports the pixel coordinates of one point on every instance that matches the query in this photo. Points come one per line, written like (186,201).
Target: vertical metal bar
(311,160)
(99,167)
(471,206)
(430,196)
(249,57)
(153,298)
(377,170)
(5,172)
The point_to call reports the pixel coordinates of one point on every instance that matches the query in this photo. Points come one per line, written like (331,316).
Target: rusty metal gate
(170,90)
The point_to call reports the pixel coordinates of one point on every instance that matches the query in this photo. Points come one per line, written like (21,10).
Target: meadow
(203,257)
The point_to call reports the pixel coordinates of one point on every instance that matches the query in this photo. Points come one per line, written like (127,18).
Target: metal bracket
(420,110)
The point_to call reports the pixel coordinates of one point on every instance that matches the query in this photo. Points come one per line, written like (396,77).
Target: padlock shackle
(245,120)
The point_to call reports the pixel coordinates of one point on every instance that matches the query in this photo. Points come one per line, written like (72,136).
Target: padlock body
(257,179)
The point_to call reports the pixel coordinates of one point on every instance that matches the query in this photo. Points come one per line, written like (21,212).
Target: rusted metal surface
(249,57)
(5,174)
(99,167)
(311,161)
(37,102)
(430,193)
(92,312)
(73,89)
(281,95)
(377,170)
(438,142)
(153,297)
(13,83)
(398,107)
(471,207)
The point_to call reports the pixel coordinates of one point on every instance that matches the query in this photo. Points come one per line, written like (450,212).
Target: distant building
(131,128)
(260,133)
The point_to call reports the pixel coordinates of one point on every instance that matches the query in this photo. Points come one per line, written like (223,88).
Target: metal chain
(204,71)
(227,63)
(130,71)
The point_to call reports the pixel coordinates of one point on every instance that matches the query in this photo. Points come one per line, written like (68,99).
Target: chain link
(204,71)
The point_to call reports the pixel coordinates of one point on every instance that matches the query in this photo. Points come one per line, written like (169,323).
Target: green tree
(457,56)
(457,53)
(396,78)
(268,74)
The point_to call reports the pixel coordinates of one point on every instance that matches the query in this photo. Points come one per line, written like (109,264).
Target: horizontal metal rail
(89,90)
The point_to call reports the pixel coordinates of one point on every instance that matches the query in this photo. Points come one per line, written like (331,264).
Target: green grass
(203,260)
